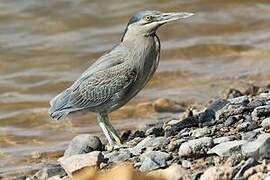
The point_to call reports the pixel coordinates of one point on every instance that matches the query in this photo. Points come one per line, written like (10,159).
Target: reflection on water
(45,45)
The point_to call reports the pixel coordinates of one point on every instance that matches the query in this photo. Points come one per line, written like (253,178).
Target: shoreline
(217,141)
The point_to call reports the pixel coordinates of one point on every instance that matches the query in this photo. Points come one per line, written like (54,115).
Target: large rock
(83,143)
(79,161)
(218,173)
(154,160)
(196,147)
(149,141)
(174,172)
(259,148)
(227,148)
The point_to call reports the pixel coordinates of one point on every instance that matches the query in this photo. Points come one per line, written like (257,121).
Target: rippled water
(46,44)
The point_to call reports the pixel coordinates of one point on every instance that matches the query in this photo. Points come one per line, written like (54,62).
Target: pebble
(137,133)
(156,131)
(230,121)
(49,171)
(196,147)
(243,126)
(261,111)
(199,132)
(218,173)
(149,141)
(251,135)
(79,161)
(174,172)
(83,143)
(242,100)
(259,148)
(186,163)
(227,148)
(266,123)
(153,160)
(121,155)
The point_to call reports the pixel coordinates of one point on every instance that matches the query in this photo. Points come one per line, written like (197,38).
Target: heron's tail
(59,105)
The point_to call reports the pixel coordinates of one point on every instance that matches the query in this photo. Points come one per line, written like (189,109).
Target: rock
(79,161)
(137,133)
(153,160)
(261,111)
(166,105)
(199,132)
(121,155)
(207,118)
(266,123)
(248,164)
(218,173)
(174,172)
(260,170)
(259,148)
(242,100)
(186,163)
(196,147)
(49,171)
(204,118)
(230,121)
(149,141)
(227,148)
(256,103)
(245,126)
(218,104)
(82,144)
(156,131)
(125,135)
(223,139)
(250,135)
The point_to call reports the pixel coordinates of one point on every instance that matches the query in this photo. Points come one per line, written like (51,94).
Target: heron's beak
(167,17)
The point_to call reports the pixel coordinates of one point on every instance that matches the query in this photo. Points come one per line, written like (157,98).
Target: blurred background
(46,44)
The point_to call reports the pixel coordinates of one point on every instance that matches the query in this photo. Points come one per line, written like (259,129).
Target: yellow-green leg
(107,128)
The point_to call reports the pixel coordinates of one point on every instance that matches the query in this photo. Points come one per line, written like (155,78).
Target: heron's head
(147,22)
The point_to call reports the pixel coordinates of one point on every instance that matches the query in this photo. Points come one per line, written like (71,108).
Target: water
(46,44)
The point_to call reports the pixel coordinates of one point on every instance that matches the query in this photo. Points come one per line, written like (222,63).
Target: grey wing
(101,86)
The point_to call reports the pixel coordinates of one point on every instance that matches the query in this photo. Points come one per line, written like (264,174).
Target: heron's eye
(148,18)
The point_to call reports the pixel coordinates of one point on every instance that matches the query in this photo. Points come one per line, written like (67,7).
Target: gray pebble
(149,141)
(239,100)
(227,148)
(199,132)
(196,147)
(83,143)
(261,111)
(154,160)
(259,148)
(266,123)
(121,155)
(250,135)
